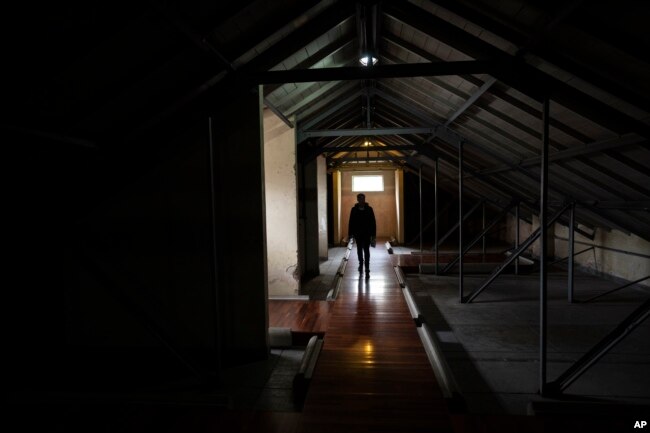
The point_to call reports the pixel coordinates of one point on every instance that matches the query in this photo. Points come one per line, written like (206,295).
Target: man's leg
(359,243)
(366,250)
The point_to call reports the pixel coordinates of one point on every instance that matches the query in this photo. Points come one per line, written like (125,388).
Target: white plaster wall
(281,206)
(383,203)
(321,182)
(525,230)
(626,266)
(614,263)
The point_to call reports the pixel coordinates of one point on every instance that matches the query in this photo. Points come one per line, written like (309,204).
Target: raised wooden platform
(373,373)
(304,318)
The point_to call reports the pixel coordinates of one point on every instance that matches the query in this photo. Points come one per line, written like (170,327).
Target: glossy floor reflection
(373,373)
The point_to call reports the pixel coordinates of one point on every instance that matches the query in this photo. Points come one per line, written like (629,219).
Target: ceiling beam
(583,21)
(495,91)
(62,138)
(515,72)
(364,131)
(310,61)
(334,109)
(313,95)
(373,72)
(574,152)
(470,101)
(405,148)
(453,138)
(345,90)
(278,113)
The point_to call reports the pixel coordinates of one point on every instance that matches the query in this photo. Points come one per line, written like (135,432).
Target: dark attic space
(326,216)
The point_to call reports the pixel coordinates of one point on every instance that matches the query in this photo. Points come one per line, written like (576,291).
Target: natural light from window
(367,183)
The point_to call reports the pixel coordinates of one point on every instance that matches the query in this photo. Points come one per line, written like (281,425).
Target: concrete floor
(492,344)
(318,287)
(265,385)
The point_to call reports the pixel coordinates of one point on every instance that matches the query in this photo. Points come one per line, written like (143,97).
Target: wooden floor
(300,316)
(373,373)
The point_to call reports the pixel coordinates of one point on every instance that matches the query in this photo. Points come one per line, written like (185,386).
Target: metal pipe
(601,348)
(460,222)
(455,227)
(420,191)
(515,254)
(435,193)
(483,228)
(616,250)
(631,283)
(543,266)
(517,237)
(570,276)
(429,224)
(473,242)
(215,257)
(574,254)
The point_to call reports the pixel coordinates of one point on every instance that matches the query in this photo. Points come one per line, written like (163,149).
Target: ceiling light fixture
(368,60)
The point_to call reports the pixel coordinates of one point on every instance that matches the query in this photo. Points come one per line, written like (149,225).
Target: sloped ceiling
(449,73)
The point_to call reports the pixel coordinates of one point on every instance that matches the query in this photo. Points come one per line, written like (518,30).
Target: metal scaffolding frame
(478,237)
(631,283)
(460,222)
(515,254)
(455,226)
(631,322)
(543,252)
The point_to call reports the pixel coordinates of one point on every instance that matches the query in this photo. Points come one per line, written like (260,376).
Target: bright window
(367,183)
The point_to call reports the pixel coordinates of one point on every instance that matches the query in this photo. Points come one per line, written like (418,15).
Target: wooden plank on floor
(300,316)
(373,373)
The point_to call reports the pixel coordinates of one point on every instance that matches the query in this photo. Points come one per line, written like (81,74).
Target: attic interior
(176,166)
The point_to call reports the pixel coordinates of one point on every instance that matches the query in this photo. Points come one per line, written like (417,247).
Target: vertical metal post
(543,269)
(460,221)
(215,250)
(572,219)
(517,238)
(420,190)
(435,223)
(483,228)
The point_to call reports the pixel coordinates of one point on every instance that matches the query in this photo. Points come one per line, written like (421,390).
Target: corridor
(373,373)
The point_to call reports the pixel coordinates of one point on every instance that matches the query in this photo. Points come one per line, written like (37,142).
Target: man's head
(361,198)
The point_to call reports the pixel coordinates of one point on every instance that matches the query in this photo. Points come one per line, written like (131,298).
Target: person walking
(363,228)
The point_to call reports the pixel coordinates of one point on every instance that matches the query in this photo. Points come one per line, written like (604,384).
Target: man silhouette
(363,228)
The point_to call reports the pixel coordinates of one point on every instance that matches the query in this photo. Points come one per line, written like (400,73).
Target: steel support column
(460,222)
(543,265)
(214,268)
(483,228)
(474,241)
(435,199)
(572,219)
(515,254)
(420,192)
(517,237)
